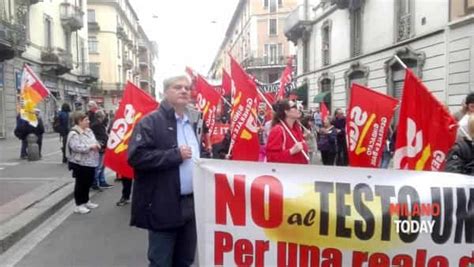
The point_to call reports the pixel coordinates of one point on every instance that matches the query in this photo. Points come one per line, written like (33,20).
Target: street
(100,238)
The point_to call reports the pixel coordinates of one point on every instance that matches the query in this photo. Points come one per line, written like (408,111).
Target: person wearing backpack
(62,126)
(461,156)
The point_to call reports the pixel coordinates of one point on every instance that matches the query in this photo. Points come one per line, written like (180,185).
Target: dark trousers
(175,247)
(328,157)
(126,188)
(63,147)
(341,156)
(24,144)
(84,177)
(40,143)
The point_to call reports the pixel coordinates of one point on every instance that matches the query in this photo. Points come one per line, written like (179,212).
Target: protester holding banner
(280,146)
(161,150)
(327,142)
(461,156)
(83,160)
(339,123)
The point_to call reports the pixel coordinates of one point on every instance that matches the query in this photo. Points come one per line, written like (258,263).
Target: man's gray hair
(92,104)
(171,80)
(100,114)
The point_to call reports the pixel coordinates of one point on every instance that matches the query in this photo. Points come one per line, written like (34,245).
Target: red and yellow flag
(368,121)
(135,104)
(244,143)
(32,92)
(207,101)
(426,130)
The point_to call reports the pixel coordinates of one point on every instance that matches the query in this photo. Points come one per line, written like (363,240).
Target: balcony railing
(121,32)
(56,60)
(93,26)
(127,64)
(142,45)
(296,23)
(264,62)
(143,61)
(89,72)
(12,39)
(72,17)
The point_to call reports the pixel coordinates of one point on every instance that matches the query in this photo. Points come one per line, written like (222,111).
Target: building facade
(119,51)
(344,41)
(255,38)
(50,36)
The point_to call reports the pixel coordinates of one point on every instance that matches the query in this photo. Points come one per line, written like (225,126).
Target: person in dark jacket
(65,126)
(339,123)
(99,128)
(327,142)
(24,128)
(461,156)
(160,151)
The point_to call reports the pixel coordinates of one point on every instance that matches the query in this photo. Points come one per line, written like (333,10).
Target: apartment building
(344,41)
(255,38)
(119,51)
(50,36)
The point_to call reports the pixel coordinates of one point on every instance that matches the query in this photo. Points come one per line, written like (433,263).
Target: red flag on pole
(370,114)
(244,143)
(324,111)
(135,104)
(226,83)
(286,78)
(207,101)
(426,130)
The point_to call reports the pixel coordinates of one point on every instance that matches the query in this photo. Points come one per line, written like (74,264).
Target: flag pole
(283,124)
(401,62)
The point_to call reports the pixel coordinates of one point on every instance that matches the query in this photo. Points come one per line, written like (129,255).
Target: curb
(17,227)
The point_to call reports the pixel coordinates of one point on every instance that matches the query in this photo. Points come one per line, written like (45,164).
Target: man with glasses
(161,151)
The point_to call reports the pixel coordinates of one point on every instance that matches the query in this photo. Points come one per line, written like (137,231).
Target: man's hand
(186,152)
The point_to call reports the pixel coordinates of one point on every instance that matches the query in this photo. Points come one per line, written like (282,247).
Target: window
(272,26)
(305,56)
(272,77)
(67,38)
(469,6)
(404,20)
(356,32)
(357,73)
(280,3)
(90,15)
(265,4)
(48,32)
(93,45)
(273,6)
(271,53)
(326,45)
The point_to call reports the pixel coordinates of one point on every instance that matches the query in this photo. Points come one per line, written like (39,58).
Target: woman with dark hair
(327,142)
(83,158)
(280,145)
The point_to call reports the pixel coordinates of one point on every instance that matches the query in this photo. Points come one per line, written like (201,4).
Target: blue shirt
(186,136)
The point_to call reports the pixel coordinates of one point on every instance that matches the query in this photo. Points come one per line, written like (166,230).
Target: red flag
(244,143)
(135,104)
(207,102)
(226,83)
(370,114)
(192,74)
(324,111)
(426,130)
(286,78)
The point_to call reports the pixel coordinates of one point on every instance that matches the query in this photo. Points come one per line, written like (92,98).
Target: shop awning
(322,97)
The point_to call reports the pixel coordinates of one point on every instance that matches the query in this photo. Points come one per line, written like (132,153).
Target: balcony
(89,73)
(93,26)
(127,64)
(12,40)
(297,24)
(264,62)
(143,61)
(142,46)
(121,32)
(72,17)
(56,60)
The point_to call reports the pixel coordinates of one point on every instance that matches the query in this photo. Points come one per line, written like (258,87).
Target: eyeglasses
(180,86)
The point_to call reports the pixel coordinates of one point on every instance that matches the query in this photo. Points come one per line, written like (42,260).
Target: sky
(188,32)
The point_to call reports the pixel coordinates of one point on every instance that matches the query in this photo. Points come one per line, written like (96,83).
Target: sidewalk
(30,191)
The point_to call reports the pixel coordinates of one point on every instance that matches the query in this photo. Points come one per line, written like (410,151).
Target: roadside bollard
(32,147)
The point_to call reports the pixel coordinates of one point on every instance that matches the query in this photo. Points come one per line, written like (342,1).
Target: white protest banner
(254,214)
